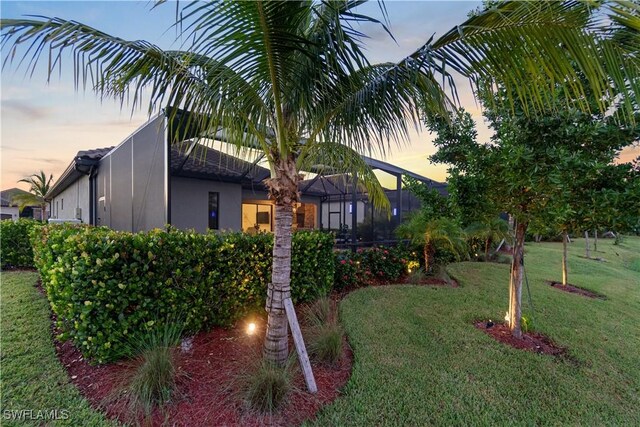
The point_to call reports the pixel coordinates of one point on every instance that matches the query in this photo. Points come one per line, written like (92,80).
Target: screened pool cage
(340,205)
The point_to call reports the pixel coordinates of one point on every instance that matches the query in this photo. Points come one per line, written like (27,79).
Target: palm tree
(39,187)
(431,234)
(489,230)
(291,79)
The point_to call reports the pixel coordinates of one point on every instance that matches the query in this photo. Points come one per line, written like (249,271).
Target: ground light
(251,328)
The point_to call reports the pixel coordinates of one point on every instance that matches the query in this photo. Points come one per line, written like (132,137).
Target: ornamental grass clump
(264,385)
(151,379)
(323,333)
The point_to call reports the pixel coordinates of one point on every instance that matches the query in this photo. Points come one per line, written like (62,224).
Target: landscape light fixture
(251,328)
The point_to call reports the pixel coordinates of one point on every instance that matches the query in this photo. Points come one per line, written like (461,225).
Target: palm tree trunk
(565,238)
(428,256)
(515,286)
(283,189)
(276,340)
(487,244)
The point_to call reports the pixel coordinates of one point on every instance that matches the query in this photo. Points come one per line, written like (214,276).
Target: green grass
(420,361)
(418,358)
(31,376)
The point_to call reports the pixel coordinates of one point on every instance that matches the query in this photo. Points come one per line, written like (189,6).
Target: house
(147,182)
(10,210)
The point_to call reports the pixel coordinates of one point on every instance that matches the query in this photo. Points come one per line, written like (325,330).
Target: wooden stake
(303,357)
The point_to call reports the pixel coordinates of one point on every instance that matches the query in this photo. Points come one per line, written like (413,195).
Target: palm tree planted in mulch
(434,234)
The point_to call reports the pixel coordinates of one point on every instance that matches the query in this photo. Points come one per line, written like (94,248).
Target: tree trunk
(428,256)
(586,242)
(283,189)
(565,239)
(595,240)
(487,244)
(276,339)
(515,285)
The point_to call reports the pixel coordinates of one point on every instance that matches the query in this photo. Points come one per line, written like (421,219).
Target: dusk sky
(45,124)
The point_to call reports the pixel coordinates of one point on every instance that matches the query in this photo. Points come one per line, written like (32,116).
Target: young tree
(39,186)
(292,79)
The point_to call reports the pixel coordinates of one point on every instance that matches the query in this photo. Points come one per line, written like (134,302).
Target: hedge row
(104,286)
(14,242)
(376,265)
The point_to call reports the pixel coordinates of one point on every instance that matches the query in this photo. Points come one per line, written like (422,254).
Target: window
(257,217)
(62,203)
(213,210)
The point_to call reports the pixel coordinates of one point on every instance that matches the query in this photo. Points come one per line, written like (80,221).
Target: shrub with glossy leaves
(15,242)
(104,285)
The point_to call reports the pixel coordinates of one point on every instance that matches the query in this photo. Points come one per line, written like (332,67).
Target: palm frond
(377,105)
(530,47)
(26,199)
(331,157)
(445,232)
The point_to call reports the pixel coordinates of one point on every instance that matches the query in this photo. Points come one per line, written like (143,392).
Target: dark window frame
(214,210)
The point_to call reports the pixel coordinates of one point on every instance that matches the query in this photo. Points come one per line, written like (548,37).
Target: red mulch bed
(206,394)
(573,289)
(530,341)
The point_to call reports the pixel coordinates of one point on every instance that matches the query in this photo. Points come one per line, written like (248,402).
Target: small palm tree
(40,186)
(489,230)
(432,234)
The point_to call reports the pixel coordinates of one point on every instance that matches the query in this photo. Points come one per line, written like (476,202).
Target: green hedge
(105,286)
(14,242)
(370,266)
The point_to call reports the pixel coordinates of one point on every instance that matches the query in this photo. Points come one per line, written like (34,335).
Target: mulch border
(301,406)
(531,341)
(574,289)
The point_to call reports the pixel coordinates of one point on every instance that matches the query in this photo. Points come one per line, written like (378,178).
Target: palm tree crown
(39,187)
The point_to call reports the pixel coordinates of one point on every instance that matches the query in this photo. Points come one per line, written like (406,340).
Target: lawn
(33,383)
(418,358)
(420,361)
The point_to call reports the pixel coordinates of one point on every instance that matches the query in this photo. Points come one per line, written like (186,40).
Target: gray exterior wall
(190,204)
(131,190)
(75,196)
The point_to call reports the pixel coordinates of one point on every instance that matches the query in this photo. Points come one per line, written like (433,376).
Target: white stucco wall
(64,205)
(10,210)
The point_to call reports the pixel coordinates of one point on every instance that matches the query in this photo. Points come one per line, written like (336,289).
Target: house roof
(200,161)
(80,165)
(95,154)
(6,196)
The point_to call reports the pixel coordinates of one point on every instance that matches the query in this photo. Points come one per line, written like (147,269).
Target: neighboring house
(10,210)
(146,182)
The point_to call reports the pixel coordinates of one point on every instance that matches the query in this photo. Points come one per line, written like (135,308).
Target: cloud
(24,109)
(9,148)
(43,160)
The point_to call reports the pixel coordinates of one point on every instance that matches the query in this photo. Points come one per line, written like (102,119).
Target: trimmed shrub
(15,244)
(371,265)
(105,285)
(348,272)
